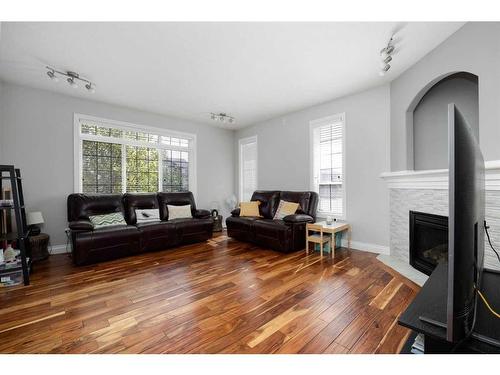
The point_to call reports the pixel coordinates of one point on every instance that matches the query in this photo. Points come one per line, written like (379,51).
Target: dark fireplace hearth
(428,240)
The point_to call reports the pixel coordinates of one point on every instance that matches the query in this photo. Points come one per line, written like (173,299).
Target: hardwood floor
(222,296)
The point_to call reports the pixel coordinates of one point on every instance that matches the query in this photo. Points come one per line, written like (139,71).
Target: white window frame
(242,142)
(127,126)
(312,126)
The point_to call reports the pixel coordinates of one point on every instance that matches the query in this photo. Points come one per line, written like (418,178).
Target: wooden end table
(323,228)
(38,246)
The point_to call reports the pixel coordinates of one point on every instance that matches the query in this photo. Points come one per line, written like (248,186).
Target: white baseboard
(370,247)
(363,246)
(60,249)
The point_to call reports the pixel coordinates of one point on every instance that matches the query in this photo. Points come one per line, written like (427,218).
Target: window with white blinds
(248,168)
(328,163)
(118,157)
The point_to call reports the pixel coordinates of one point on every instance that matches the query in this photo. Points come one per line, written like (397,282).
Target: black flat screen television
(466,225)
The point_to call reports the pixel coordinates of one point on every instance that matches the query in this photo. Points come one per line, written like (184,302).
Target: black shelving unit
(12,174)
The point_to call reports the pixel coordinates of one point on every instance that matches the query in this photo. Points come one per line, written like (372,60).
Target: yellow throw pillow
(284,209)
(249,208)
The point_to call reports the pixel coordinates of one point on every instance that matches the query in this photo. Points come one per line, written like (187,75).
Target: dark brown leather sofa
(285,235)
(91,246)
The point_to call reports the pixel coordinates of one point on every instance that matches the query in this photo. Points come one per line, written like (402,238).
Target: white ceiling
(252,71)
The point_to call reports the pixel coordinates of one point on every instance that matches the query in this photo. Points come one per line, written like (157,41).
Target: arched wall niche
(427,122)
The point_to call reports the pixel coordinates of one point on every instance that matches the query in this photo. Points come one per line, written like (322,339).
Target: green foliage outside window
(102,167)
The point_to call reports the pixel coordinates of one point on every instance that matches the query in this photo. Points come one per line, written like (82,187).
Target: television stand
(427,315)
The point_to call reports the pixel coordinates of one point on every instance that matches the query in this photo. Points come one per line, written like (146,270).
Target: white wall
(37,136)
(475,48)
(283,158)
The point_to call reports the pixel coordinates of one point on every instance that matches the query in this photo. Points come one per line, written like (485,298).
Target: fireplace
(428,240)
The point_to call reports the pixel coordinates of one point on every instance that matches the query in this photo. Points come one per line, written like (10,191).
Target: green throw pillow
(106,220)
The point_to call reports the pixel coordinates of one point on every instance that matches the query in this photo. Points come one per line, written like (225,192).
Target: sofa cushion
(193,230)
(147,215)
(272,233)
(105,243)
(134,201)
(268,202)
(190,225)
(285,208)
(249,209)
(175,199)
(81,206)
(307,200)
(179,212)
(241,228)
(107,220)
(157,235)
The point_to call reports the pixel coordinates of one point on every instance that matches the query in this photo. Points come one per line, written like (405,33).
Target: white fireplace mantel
(437,179)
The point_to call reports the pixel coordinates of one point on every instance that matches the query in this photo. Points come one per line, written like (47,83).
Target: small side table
(323,227)
(217,223)
(39,246)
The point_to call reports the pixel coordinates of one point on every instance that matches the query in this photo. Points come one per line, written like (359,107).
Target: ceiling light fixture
(90,87)
(72,78)
(52,75)
(222,117)
(386,57)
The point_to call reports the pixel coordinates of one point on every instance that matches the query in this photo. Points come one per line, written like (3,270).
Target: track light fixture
(90,87)
(386,57)
(222,117)
(71,77)
(52,75)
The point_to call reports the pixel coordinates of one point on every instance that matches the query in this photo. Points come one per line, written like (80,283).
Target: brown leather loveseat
(285,235)
(91,246)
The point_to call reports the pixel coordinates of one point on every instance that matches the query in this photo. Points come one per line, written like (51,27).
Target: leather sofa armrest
(235,212)
(202,214)
(298,218)
(83,225)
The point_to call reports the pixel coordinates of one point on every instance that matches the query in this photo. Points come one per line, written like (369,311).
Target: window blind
(328,166)
(248,169)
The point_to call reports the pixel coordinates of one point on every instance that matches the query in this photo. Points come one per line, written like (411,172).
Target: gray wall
(37,136)
(474,48)
(430,119)
(283,157)
(1,123)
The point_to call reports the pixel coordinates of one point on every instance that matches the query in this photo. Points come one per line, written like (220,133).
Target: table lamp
(33,220)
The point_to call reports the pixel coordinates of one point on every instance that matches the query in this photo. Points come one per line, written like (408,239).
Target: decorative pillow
(249,208)
(284,209)
(147,215)
(179,212)
(107,220)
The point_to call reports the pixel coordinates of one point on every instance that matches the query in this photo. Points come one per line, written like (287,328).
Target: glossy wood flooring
(222,296)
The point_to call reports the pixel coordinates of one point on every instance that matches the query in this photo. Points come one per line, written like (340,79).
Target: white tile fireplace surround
(427,191)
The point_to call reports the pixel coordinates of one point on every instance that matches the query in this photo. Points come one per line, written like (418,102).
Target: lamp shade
(34,218)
